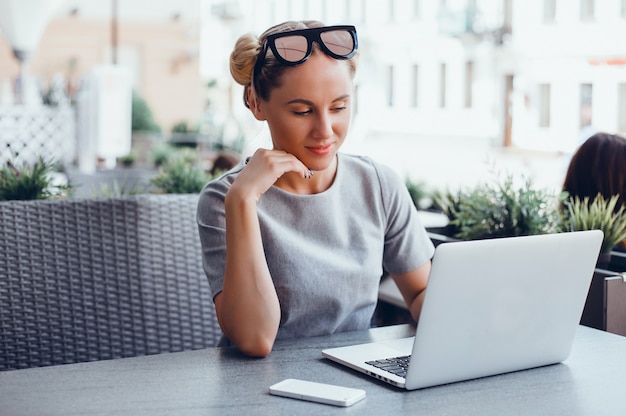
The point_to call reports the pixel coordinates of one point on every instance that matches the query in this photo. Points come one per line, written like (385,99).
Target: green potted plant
(116,189)
(418,192)
(448,202)
(31,182)
(162,153)
(128,160)
(600,214)
(182,174)
(142,119)
(146,133)
(501,209)
(184,134)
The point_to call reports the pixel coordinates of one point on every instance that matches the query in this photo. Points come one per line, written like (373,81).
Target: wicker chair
(85,280)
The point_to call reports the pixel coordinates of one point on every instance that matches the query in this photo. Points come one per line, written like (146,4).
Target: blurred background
(448,92)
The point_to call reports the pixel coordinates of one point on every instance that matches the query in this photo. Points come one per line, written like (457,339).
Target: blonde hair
(247,50)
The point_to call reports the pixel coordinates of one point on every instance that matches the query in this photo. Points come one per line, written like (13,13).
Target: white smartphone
(317,392)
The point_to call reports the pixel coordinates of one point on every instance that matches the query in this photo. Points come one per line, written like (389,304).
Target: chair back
(95,279)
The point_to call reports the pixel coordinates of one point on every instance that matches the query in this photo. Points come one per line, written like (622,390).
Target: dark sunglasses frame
(311,35)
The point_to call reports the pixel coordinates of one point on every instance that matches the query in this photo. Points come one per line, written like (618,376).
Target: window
(414,86)
(586,91)
(416,9)
(621,122)
(469,81)
(508,15)
(549,11)
(390,83)
(544,105)
(587,10)
(442,85)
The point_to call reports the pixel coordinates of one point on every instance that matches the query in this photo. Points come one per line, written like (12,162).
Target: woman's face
(309,114)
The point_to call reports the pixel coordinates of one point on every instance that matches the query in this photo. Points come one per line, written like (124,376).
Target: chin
(321,164)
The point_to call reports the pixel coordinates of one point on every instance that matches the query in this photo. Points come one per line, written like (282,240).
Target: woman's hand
(263,169)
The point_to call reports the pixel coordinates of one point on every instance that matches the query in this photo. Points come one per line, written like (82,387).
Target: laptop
(491,307)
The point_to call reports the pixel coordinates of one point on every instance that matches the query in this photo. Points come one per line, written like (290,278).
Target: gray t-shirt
(326,252)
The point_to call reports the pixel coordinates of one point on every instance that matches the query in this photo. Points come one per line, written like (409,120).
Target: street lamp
(23,23)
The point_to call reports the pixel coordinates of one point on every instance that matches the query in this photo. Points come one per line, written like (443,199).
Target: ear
(255,105)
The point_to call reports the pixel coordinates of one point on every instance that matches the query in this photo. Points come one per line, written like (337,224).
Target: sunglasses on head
(294,47)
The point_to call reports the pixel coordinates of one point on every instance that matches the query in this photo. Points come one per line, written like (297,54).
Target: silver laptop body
(491,307)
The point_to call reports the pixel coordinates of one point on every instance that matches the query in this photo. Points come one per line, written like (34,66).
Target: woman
(296,238)
(598,166)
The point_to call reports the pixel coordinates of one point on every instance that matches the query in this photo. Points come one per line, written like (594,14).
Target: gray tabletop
(592,381)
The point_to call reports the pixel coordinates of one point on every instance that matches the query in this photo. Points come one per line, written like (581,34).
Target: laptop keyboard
(396,365)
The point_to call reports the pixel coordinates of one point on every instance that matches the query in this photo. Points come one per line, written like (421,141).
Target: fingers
(263,169)
(279,162)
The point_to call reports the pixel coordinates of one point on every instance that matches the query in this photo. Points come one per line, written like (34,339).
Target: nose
(323,128)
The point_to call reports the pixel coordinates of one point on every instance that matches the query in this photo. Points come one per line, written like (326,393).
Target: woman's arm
(248,309)
(412,285)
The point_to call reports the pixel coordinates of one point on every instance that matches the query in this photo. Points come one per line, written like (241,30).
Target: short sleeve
(211,220)
(407,245)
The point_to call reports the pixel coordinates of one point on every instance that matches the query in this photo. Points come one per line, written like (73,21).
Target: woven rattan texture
(84,280)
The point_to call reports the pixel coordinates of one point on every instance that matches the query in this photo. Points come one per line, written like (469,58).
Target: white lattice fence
(26,133)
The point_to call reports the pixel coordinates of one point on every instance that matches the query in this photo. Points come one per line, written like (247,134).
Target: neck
(319,182)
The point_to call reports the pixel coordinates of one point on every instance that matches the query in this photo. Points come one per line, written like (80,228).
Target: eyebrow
(307,102)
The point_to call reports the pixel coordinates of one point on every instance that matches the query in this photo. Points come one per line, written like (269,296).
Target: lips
(320,150)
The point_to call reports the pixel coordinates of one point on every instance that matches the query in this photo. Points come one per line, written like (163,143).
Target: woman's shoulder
(219,186)
(368,167)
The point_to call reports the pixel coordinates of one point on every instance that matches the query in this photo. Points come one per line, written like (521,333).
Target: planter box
(615,304)
(605,308)
(618,261)
(84,280)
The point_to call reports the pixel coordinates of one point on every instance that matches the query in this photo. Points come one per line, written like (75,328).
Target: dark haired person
(598,166)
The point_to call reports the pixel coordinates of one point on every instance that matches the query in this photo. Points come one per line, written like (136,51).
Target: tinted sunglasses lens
(291,48)
(339,42)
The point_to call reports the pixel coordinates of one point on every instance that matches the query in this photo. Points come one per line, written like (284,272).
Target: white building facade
(570,71)
(532,74)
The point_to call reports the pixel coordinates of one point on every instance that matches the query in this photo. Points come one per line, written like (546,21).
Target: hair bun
(243,58)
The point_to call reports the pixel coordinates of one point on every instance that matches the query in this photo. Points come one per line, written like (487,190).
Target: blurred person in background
(598,166)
